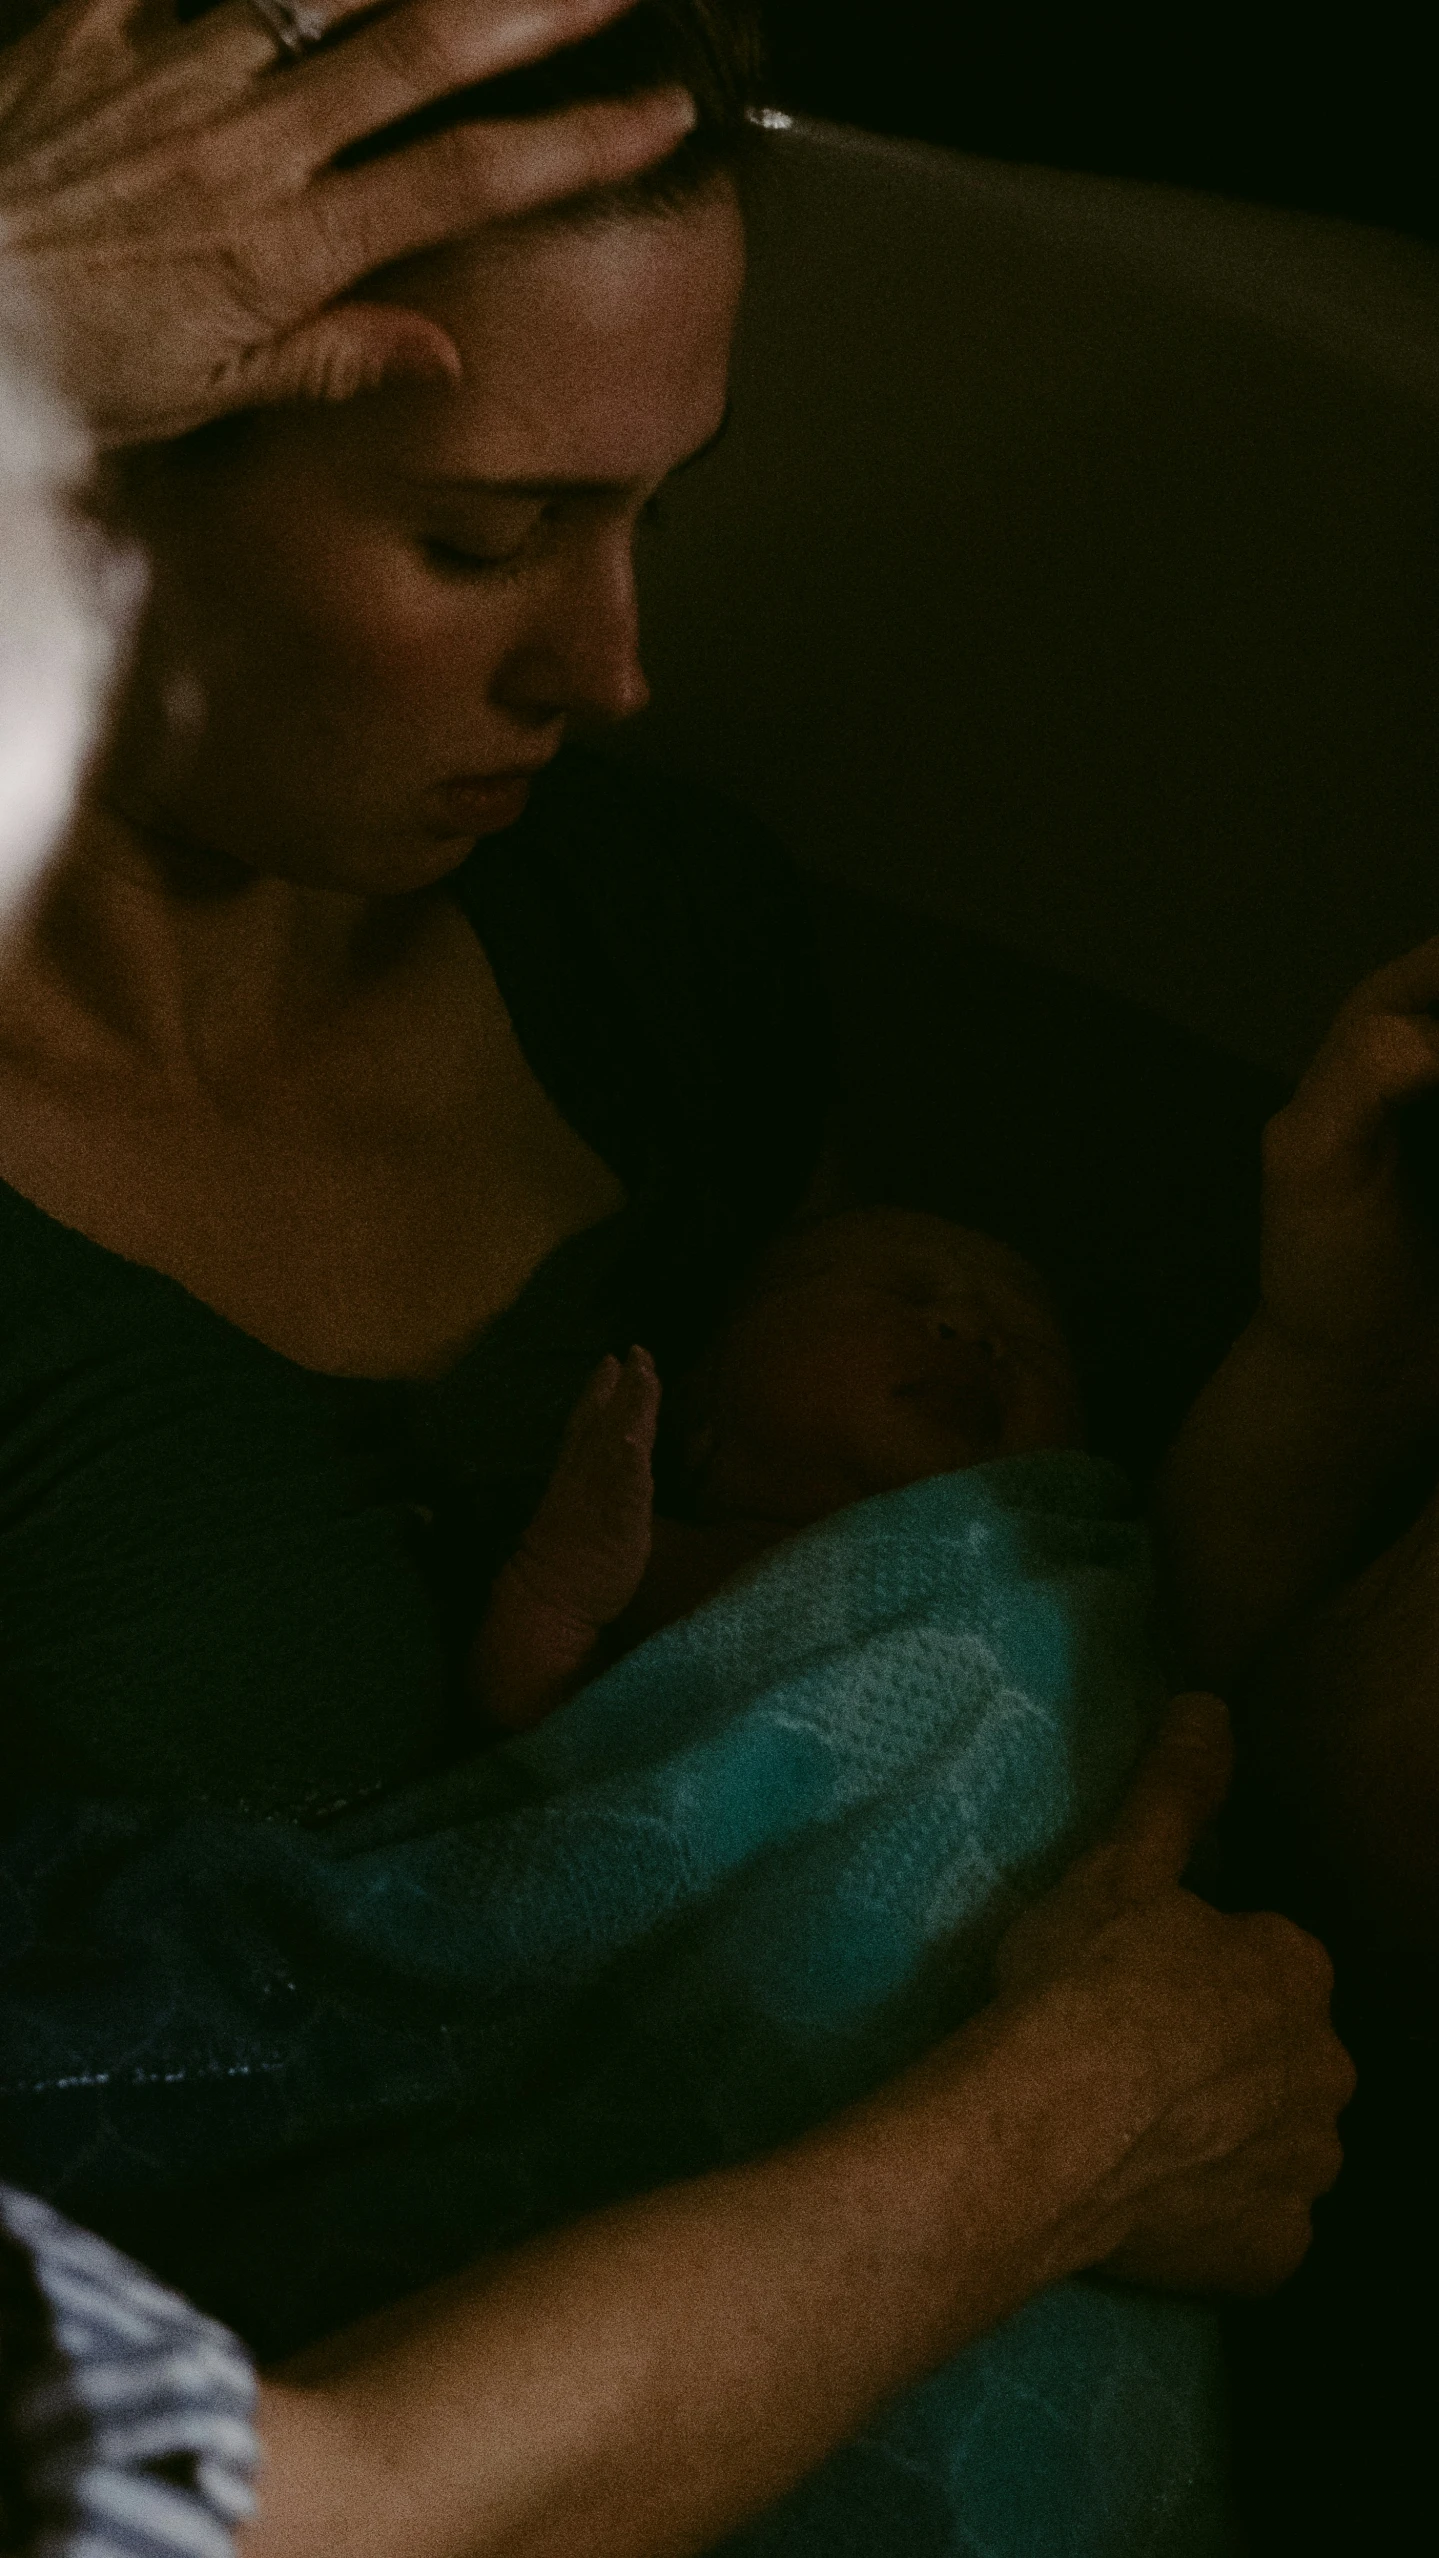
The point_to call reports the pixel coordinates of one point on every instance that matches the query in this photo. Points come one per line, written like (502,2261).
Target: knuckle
(423,50)
(1287,1950)
(1327,2164)
(244,275)
(1344,2078)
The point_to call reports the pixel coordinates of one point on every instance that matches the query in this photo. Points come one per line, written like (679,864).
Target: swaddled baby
(871,1349)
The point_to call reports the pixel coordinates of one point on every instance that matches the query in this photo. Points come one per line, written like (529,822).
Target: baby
(865,1351)
(877,1348)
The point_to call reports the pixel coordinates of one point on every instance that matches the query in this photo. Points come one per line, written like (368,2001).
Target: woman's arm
(1344,1715)
(645,2381)
(1335,1384)
(1158,2079)
(1269,1484)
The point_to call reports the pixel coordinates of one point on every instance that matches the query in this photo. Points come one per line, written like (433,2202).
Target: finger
(1371,1062)
(563,21)
(1402,985)
(180,94)
(638,1400)
(599,1391)
(1182,1781)
(126,74)
(1245,2254)
(357,348)
(584,1413)
(358,220)
(77,51)
(409,57)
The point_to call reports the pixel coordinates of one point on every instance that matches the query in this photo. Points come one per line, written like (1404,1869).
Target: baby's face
(879,1347)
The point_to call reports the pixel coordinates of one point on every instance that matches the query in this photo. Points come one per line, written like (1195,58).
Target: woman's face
(880,1347)
(365,617)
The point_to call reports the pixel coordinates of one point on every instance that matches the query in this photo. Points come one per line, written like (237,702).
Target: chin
(415,857)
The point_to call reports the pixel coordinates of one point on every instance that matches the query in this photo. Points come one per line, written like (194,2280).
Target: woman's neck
(145,951)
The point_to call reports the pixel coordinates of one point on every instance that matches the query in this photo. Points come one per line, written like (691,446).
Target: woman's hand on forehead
(171,209)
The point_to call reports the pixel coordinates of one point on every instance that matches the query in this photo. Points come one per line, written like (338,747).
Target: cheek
(326,633)
(1047,1410)
(358,629)
(821,1371)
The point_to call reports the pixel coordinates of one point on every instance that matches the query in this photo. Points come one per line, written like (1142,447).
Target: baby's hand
(1350,1267)
(583,1556)
(589,1541)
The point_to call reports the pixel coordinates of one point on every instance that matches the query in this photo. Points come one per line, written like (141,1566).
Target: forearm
(639,2384)
(1267,1488)
(1343,1715)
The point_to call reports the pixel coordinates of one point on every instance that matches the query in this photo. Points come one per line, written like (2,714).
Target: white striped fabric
(128,2425)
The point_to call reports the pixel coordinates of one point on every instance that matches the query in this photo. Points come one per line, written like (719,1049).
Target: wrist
(1004,2152)
(1382,1377)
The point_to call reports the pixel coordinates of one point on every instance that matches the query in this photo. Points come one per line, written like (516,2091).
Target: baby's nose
(974,1325)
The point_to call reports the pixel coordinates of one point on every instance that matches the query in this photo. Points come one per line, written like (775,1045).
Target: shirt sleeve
(126,2417)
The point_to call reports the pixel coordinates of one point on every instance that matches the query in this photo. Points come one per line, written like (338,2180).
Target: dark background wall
(1326,111)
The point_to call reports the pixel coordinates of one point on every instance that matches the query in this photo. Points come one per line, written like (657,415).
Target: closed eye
(460,560)
(453,561)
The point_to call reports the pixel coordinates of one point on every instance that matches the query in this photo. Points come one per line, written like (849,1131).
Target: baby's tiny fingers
(638,1398)
(596,1396)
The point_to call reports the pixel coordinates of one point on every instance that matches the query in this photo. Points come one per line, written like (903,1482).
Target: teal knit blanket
(758,1865)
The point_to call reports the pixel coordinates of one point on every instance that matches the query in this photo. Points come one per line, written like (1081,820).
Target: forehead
(593,351)
(884,1243)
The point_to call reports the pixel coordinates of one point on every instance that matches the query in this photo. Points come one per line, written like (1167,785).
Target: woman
(321,1201)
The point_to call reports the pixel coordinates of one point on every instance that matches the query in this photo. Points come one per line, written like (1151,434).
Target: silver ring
(296,30)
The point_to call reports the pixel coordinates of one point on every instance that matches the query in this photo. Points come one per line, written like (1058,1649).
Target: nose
(579,656)
(971,1324)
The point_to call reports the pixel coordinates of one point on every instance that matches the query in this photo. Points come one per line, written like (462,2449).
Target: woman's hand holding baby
(583,1556)
(1149,2066)
(1220,2032)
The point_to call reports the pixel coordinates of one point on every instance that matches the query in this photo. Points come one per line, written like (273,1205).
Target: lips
(483,803)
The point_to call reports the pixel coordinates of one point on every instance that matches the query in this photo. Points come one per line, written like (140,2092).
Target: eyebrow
(576,488)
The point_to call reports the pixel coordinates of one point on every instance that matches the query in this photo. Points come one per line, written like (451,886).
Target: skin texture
(1157,2078)
(246,1036)
(169,209)
(360,613)
(357,611)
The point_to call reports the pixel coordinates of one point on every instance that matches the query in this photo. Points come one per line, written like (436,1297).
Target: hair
(714,48)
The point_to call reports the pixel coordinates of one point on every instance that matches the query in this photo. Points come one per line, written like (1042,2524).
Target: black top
(228,1579)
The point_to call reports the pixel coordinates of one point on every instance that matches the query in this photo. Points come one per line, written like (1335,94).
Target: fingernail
(682,106)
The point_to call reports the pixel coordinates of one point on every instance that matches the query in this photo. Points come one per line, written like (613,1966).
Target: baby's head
(869,1350)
